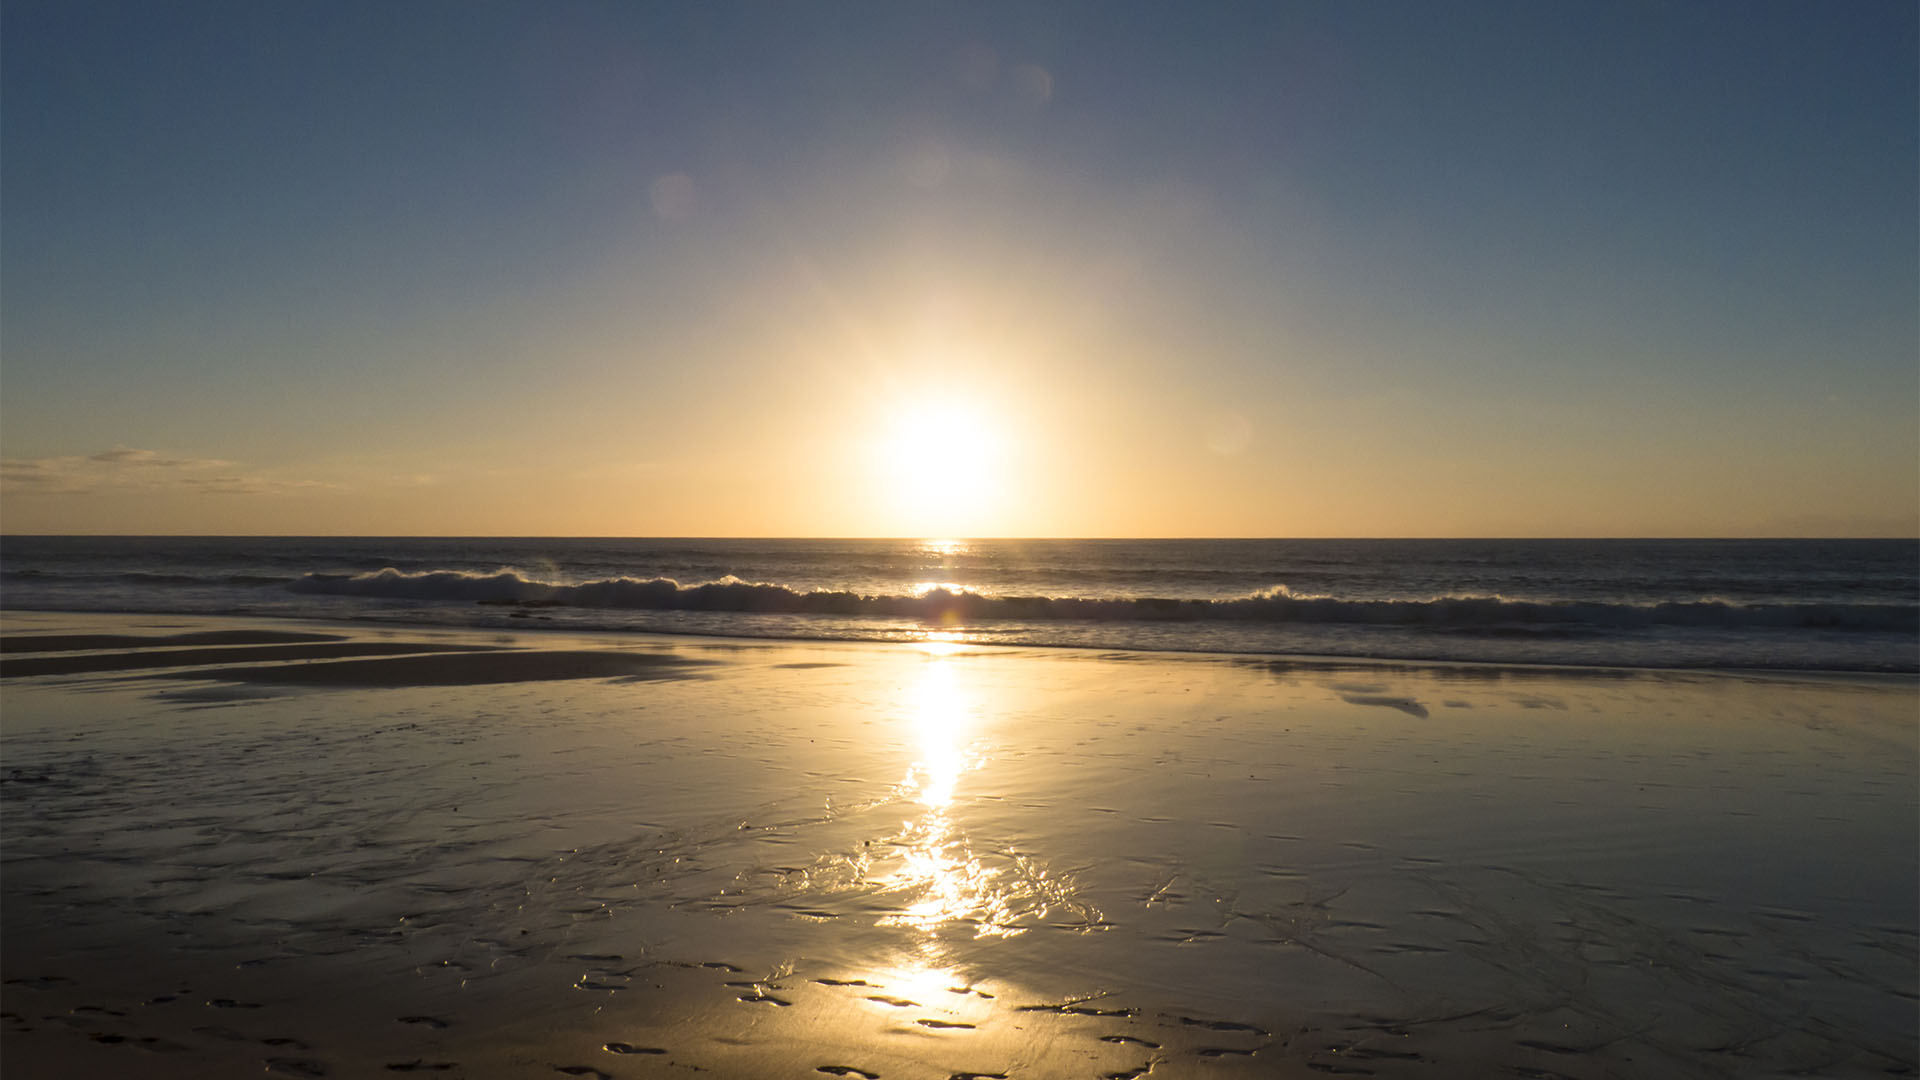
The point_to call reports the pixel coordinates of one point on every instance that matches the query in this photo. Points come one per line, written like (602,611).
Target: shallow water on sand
(805,860)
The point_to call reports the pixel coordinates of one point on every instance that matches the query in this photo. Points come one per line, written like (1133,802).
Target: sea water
(1822,605)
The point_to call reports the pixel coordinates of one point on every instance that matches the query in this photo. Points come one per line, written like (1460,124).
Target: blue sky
(1285,269)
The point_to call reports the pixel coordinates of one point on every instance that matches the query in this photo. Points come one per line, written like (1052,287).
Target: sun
(941,466)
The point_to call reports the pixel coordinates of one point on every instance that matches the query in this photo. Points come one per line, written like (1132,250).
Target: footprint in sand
(843,982)
(296,1066)
(229,1003)
(1369,1053)
(1134,1039)
(629,1048)
(1075,1010)
(943,1025)
(898,1003)
(430,1021)
(1552,1048)
(40,982)
(582,1070)
(1220,1025)
(847,1070)
(421,1065)
(758,998)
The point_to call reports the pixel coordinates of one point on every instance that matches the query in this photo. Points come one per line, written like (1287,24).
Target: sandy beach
(232,846)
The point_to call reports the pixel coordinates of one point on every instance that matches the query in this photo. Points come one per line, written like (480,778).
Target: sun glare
(942,466)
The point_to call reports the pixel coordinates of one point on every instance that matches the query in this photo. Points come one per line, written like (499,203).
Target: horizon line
(915,538)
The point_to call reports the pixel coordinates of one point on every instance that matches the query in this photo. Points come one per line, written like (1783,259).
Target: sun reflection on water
(945,549)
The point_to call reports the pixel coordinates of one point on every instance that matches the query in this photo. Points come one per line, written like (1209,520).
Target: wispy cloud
(126,470)
(124,455)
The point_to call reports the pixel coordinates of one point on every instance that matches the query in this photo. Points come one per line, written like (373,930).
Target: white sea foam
(1277,604)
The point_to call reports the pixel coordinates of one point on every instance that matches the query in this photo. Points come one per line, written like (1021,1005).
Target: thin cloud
(127,470)
(124,455)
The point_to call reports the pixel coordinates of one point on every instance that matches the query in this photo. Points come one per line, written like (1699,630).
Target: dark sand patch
(13,643)
(1404,704)
(126,661)
(475,668)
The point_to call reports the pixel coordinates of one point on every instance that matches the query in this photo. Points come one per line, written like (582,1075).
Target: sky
(1361,268)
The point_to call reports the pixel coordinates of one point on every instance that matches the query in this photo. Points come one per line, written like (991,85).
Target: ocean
(1807,605)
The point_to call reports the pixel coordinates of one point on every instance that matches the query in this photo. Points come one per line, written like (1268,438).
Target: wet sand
(369,852)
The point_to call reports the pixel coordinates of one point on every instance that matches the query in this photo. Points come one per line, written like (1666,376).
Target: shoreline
(789,859)
(346,628)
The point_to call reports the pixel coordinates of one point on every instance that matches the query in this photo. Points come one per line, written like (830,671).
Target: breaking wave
(1275,605)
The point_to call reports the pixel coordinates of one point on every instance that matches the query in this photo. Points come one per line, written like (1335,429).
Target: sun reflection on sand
(938,870)
(925,980)
(941,881)
(926,872)
(940,643)
(942,717)
(949,884)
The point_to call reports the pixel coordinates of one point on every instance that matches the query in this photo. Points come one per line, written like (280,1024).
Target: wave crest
(950,605)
